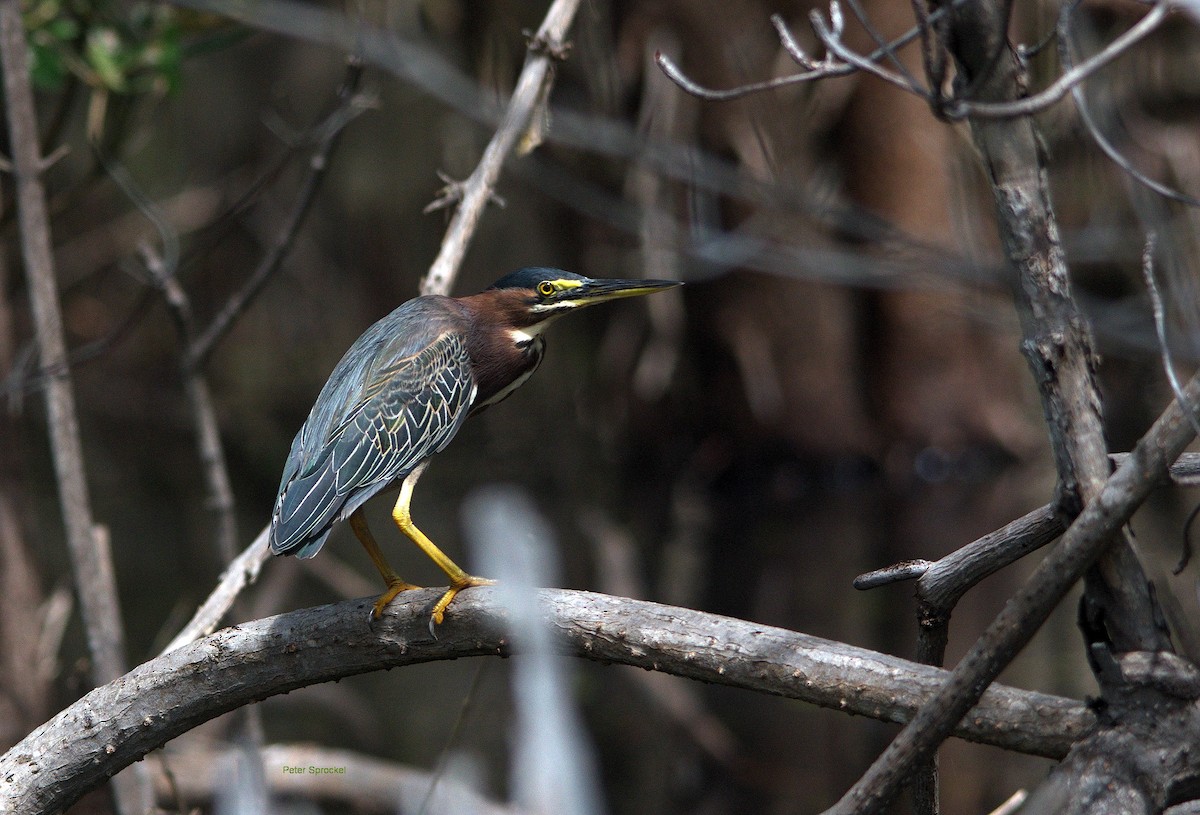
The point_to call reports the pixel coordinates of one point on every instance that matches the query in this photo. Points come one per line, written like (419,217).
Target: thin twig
(813,69)
(865,21)
(1160,328)
(1070,79)
(953,108)
(933,53)
(242,572)
(464,710)
(532,88)
(348,106)
(1103,142)
(831,35)
(162,271)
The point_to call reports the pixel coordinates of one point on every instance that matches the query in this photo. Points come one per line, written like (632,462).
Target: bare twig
(116,724)
(204,413)
(532,89)
(1058,90)
(1160,328)
(848,61)
(942,583)
(1103,142)
(896,573)
(831,36)
(451,194)
(237,575)
(348,106)
(1024,614)
(162,272)
(827,68)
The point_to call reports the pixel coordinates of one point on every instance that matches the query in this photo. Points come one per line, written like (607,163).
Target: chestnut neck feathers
(504,342)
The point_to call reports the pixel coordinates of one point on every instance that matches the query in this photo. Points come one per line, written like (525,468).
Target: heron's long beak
(592,290)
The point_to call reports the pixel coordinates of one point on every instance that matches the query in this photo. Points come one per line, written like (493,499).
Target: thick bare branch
(118,723)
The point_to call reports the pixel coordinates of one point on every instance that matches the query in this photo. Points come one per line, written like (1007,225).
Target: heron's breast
(503,366)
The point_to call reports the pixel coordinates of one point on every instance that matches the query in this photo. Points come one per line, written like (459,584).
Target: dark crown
(529,277)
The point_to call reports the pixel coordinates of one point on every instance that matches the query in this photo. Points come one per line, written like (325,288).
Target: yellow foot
(439,609)
(394,587)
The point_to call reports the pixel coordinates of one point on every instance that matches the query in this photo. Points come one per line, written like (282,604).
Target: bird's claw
(394,588)
(439,608)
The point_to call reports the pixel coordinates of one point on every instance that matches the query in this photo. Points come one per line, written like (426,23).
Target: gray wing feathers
(411,410)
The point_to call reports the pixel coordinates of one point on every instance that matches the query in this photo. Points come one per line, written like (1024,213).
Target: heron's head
(529,299)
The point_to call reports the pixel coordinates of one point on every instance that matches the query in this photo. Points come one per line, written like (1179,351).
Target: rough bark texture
(118,723)
(1058,343)
(1027,611)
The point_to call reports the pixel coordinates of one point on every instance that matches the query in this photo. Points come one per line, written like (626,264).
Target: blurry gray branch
(420,65)
(528,101)
(118,723)
(162,269)
(88,544)
(1089,121)
(196,775)
(91,561)
(204,414)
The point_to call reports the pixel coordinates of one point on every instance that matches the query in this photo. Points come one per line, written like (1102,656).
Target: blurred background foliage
(838,387)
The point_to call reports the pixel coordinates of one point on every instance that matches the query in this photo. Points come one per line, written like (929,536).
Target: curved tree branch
(118,723)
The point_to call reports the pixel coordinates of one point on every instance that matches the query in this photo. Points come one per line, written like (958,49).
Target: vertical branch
(1058,343)
(532,91)
(93,567)
(204,414)
(91,558)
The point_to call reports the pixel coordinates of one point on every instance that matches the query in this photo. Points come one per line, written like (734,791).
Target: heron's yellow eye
(545,288)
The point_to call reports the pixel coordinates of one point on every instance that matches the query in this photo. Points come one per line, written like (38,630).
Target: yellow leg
(395,584)
(459,579)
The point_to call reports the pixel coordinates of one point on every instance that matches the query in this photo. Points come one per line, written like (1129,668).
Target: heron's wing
(409,409)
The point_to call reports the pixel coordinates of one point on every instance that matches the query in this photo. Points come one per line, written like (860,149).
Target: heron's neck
(502,358)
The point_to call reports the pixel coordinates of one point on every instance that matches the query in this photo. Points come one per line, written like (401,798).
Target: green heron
(401,393)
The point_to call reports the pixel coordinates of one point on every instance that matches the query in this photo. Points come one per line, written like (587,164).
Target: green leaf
(104,54)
